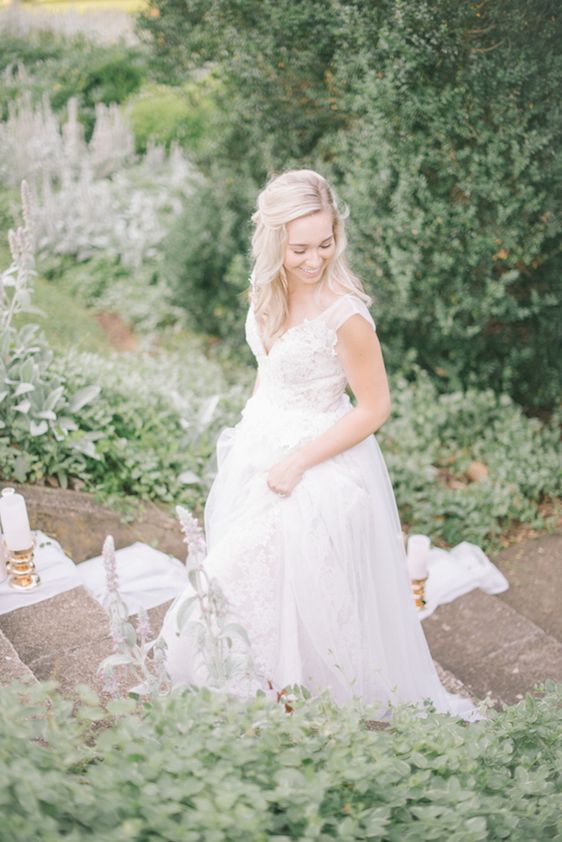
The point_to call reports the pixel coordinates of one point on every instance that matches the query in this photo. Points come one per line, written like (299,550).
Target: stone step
(66,636)
(12,667)
(494,650)
(63,638)
(80,524)
(534,572)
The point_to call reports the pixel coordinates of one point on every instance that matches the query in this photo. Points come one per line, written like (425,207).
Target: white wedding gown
(317,578)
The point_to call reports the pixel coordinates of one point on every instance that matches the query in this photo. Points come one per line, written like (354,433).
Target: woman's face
(310,247)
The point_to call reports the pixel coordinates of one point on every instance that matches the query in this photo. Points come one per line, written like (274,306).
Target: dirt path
(119,334)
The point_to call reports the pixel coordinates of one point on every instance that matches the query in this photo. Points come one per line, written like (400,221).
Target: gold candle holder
(418,592)
(20,565)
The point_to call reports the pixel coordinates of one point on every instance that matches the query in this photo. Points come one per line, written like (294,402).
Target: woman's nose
(314,260)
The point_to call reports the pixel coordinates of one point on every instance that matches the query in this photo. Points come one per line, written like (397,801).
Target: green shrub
(206,260)
(145,435)
(164,114)
(198,765)
(430,442)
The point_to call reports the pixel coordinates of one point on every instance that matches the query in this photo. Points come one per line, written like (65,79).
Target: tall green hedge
(437,121)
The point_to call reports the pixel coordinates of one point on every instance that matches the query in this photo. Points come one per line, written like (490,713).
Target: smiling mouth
(311,271)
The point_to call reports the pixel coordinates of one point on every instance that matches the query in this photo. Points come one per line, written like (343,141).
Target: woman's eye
(327,246)
(298,252)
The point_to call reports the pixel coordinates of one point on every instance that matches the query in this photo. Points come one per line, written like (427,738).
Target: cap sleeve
(347,307)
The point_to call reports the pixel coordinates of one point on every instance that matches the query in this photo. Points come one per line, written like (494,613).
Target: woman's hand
(284,475)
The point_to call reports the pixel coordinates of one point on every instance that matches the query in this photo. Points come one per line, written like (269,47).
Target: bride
(302,529)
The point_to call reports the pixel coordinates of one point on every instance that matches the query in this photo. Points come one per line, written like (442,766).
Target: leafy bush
(201,765)
(206,261)
(33,400)
(89,202)
(162,114)
(458,223)
(431,442)
(153,436)
(147,435)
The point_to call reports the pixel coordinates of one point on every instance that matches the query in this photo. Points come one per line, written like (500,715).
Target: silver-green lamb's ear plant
(222,644)
(33,401)
(96,198)
(131,645)
(16,282)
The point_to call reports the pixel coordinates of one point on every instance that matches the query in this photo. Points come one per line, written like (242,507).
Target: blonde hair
(285,197)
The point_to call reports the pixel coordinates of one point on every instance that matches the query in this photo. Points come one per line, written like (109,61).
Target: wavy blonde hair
(285,197)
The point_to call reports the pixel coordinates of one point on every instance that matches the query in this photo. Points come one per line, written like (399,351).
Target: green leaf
(23,389)
(87,694)
(38,429)
(83,397)
(115,660)
(23,407)
(121,706)
(235,630)
(22,465)
(54,397)
(85,446)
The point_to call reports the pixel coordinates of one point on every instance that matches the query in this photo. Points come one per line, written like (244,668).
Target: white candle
(14,520)
(418,551)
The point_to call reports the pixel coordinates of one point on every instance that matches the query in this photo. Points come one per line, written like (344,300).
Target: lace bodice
(302,379)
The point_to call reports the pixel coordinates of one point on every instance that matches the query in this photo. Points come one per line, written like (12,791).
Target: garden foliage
(48,64)
(92,198)
(33,401)
(201,765)
(437,123)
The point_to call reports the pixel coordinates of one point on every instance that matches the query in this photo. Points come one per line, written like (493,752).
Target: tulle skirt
(319,578)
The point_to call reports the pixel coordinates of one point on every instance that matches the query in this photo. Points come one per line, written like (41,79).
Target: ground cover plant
(199,764)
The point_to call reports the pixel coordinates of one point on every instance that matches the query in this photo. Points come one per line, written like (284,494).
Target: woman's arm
(361,355)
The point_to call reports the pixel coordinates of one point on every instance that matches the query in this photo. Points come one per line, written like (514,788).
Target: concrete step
(67,636)
(534,571)
(481,646)
(63,638)
(81,524)
(12,667)
(491,648)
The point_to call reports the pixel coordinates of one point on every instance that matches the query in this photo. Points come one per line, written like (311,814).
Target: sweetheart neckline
(306,320)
